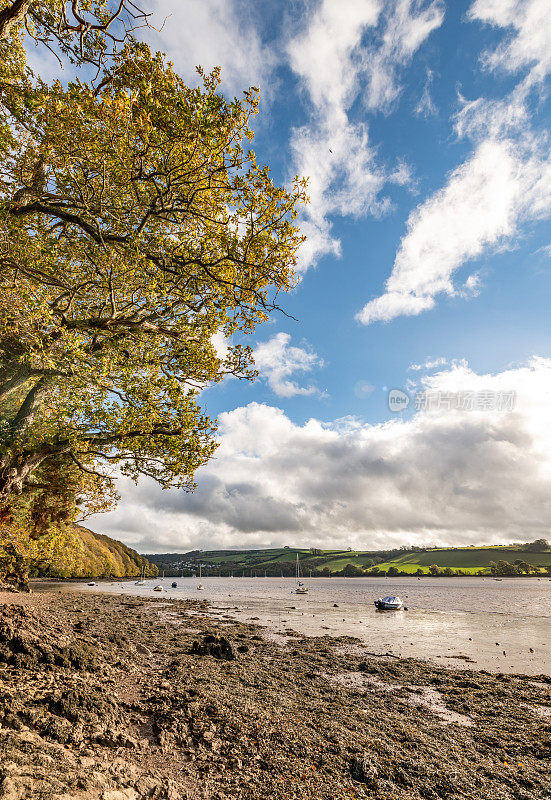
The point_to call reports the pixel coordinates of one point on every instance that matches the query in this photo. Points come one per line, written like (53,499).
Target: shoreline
(412,576)
(446,624)
(118,697)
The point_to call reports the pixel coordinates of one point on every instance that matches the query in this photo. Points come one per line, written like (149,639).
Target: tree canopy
(134,226)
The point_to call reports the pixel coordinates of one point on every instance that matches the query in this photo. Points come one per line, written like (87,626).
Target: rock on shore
(119,698)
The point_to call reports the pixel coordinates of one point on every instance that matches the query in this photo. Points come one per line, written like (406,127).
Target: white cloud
(484,119)
(457,477)
(277,361)
(221,345)
(529,43)
(545,250)
(429,364)
(326,55)
(336,66)
(332,151)
(343,179)
(505,183)
(407,25)
(213,33)
(481,207)
(425,107)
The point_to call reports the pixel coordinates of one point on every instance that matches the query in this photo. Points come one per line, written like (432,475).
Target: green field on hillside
(359,559)
(468,559)
(256,556)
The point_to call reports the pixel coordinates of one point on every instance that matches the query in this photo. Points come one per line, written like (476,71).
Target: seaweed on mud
(158,717)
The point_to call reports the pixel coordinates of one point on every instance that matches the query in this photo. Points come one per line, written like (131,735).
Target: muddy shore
(124,698)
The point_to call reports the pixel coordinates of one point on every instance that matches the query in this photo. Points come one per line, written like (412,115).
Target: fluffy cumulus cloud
(505,182)
(347,50)
(452,476)
(277,361)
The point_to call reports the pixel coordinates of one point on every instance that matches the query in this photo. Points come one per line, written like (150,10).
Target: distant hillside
(501,560)
(85,554)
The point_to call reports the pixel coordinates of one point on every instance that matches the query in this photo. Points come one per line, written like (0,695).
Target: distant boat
(389,603)
(158,589)
(498,579)
(200,587)
(174,584)
(91,583)
(301,588)
(141,582)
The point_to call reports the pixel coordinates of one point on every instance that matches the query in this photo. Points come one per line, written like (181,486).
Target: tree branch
(30,406)
(13,14)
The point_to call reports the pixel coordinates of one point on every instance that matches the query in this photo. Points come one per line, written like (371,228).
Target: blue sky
(423,127)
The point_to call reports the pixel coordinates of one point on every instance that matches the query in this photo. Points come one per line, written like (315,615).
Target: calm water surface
(474,617)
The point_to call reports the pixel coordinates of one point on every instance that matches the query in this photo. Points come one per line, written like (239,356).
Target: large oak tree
(134,226)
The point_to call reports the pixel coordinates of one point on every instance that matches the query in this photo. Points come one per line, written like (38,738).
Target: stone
(216,646)
(363,771)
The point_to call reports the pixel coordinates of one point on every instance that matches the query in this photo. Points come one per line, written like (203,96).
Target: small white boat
(200,586)
(158,589)
(389,603)
(301,588)
(141,582)
(91,583)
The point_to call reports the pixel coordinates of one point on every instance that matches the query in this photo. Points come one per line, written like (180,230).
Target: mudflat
(124,698)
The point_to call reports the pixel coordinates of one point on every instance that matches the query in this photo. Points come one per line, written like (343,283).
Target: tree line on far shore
(316,562)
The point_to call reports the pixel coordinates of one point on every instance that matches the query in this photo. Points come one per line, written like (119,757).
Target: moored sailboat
(301,588)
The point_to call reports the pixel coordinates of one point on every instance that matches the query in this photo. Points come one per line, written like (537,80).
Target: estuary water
(474,623)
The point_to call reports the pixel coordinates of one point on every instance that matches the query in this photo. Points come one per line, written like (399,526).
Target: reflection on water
(463,622)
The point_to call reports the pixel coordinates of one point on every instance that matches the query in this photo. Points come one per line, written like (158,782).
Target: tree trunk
(12,383)
(30,406)
(14,472)
(11,15)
